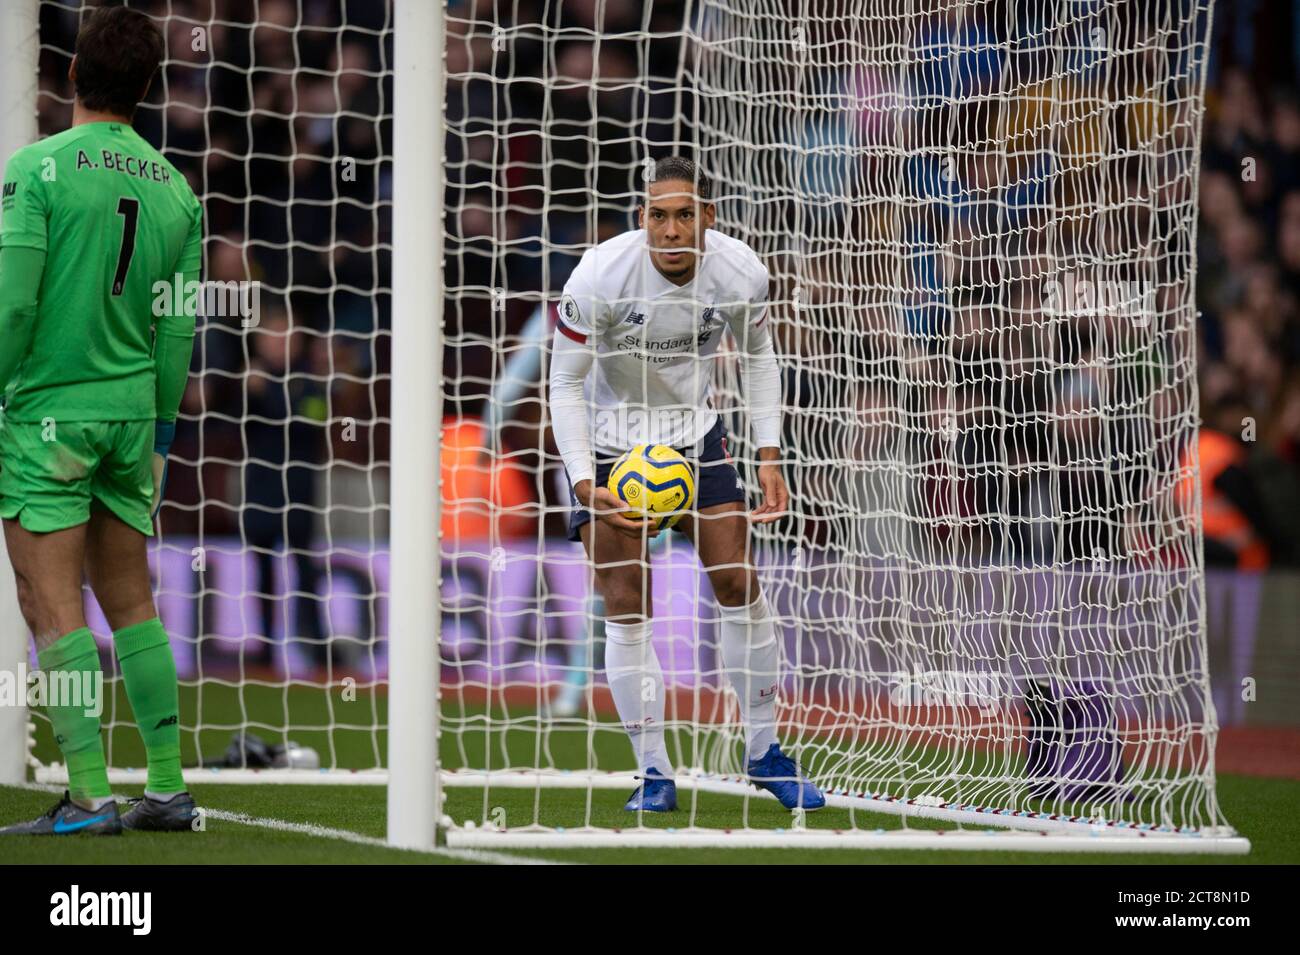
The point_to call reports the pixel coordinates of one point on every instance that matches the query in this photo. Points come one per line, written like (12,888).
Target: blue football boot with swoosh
(657,793)
(67,818)
(781,776)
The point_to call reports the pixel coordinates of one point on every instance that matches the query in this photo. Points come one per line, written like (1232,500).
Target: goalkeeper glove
(163,433)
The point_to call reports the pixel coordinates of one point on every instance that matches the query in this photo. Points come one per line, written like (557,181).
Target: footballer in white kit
(640,321)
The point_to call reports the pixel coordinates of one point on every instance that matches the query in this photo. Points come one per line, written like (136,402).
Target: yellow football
(655,481)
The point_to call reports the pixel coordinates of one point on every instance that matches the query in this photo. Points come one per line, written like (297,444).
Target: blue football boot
(780,775)
(67,818)
(656,793)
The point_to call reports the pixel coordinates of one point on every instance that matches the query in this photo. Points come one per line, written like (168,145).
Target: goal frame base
(1040,832)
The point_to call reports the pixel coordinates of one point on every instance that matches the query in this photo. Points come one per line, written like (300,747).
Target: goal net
(980,222)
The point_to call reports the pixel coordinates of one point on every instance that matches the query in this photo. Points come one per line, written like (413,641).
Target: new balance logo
(767,694)
(10,189)
(636,318)
(166,721)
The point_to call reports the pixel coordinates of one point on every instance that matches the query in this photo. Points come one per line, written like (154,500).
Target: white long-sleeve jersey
(652,345)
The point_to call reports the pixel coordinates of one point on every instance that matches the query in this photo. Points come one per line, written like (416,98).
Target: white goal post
(18,47)
(979,217)
(413,790)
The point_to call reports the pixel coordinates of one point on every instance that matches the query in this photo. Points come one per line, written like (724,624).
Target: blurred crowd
(284,128)
(1248,283)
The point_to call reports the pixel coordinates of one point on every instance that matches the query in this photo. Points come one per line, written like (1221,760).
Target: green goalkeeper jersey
(115,221)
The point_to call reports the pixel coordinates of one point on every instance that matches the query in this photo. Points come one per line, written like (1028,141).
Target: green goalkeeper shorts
(50,472)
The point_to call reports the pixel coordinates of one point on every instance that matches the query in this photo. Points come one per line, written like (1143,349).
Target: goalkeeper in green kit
(92,220)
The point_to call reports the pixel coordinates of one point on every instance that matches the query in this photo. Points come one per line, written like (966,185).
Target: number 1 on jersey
(129,210)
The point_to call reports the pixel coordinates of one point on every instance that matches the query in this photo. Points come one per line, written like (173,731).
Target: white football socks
(637,684)
(753,662)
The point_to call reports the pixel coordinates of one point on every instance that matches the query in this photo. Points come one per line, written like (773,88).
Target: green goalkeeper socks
(149,671)
(75,686)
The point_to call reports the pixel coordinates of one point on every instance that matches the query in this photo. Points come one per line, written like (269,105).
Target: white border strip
(553,839)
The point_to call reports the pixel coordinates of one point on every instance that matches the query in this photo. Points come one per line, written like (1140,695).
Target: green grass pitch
(344,824)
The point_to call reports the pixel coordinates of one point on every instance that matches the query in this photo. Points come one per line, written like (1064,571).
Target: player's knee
(736,587)
(29,603)
(46,613)
(618,575)
(623,597)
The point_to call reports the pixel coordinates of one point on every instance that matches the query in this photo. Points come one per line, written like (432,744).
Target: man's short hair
(118,51)
(685,170)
